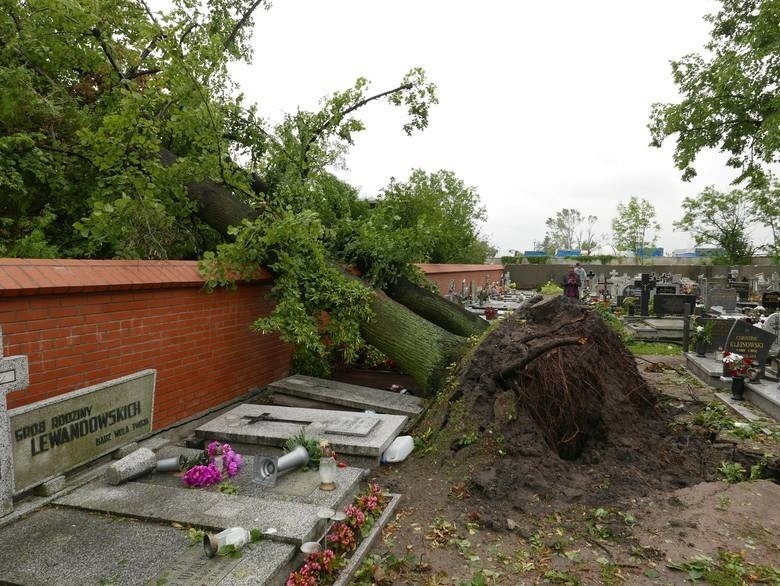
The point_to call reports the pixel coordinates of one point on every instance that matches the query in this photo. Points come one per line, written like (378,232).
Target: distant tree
(765,207)
(722,219)
(632,226)
(568,229)
(587,238)
(730,97)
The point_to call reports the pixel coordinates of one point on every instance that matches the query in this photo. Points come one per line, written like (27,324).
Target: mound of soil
(564,416)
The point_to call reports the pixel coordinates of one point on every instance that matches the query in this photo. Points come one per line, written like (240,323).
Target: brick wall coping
(430,269)
(25,276)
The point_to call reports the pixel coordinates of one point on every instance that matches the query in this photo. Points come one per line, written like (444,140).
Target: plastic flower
(355,517)
(736,364)
(201,475)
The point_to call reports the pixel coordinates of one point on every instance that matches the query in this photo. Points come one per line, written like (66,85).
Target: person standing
(571,284)
(583,276)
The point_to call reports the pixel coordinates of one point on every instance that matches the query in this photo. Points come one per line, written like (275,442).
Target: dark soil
(548,430)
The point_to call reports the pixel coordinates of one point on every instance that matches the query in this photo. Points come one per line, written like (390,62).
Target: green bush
(537,260)
(551,288)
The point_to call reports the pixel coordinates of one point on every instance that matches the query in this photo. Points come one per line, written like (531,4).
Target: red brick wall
(443,274)
(85,322)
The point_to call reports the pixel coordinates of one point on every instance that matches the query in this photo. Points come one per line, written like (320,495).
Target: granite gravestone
(673,304)
(719,333)
(14,376)
(749,341)
(772,325)
(771,301)
(56,435)
(721,297)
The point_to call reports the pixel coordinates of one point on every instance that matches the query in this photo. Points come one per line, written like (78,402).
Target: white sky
(543,105)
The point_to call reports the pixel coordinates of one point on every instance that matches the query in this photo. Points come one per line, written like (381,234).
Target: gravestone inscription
(749,341)
(666,289)
(56,435)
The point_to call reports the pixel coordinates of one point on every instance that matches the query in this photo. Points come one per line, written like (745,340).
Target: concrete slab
(347,395)
(61,546)
(706,369)
(294,522)
(765,395)
(67,546)
(232,427)
(296,486)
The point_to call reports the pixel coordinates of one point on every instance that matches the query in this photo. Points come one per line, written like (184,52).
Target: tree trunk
(436,309)
(422,349)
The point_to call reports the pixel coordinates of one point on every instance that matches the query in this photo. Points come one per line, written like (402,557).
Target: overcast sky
(543,105)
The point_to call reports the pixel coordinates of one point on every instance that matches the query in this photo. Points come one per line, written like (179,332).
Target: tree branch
(99,36)
(534,352)
(241,23)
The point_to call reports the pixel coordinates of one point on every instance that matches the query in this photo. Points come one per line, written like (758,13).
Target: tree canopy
(722,219)
(730,94)
(121,130)
(635,228)
(568,229)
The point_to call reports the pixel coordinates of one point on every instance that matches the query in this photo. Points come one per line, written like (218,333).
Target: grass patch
(640,348)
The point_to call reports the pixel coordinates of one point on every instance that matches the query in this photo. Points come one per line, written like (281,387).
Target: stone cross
(14,376)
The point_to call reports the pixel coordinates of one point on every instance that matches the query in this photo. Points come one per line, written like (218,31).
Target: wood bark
(435,308)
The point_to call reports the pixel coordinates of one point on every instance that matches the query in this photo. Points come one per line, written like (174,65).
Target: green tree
(562,230)
(120,134)
(431,217)
(713,217)
(568,229)
(632,227)
(765,208)
(730,97)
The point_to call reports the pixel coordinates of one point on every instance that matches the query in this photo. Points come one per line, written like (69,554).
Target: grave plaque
(771,301)
(673,304)
(665,289)
(56,435)
(749,341)
(725,298)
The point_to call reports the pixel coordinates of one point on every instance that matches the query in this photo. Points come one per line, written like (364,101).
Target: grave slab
(294,522)
(300,486)
(347,395)
(53,436)
(68,546)
(765,395)
(234,426)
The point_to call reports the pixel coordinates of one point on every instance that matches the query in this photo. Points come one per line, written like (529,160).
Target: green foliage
(88,111)
(432,217)
(570,230)
(714,417)
(731,472)
(551,288)
(730,569)
(632,226)
(722,219)
(765,209)
(641,348)
(537,260)
(729,95)
(227,488)
(604,259)
(512,260)
(195,536)
(306,284)
(311,444)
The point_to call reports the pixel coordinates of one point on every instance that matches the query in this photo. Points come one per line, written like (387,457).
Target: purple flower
(202,475)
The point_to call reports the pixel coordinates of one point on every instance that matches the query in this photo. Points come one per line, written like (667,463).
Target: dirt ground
(640,502)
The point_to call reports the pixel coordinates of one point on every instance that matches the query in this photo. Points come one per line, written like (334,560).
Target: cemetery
(549,417)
